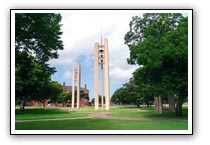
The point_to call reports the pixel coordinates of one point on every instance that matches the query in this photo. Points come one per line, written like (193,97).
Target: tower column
(106,69)
(96,57)
(78,85)
(72,97)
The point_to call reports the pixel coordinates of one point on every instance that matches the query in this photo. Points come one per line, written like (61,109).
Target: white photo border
(101,132)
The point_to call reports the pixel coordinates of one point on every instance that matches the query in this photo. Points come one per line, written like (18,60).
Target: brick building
(83,101)
(66,89)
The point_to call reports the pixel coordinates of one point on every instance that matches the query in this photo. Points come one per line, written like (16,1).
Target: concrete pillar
(72,97)
(96,58)
(78,85)
(102,94)
(106,73)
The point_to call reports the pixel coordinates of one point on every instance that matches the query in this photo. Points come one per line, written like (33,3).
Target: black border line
(10,73)
(192,71)
(110,130)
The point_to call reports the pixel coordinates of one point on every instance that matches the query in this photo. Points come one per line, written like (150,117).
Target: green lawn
(145,112)
(96,124)
(46,113)
(100,124)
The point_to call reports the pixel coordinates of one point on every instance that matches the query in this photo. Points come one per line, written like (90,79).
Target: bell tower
(101,61)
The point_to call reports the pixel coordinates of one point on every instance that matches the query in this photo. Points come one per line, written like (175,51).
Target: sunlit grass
(101,124)
(95,123)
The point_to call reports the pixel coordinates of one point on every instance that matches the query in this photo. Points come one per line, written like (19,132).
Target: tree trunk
(179,106)
(158,105)
(22,105)
(171,103)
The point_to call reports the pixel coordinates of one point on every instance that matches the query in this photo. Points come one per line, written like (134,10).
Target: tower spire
(101,58)
(101,35)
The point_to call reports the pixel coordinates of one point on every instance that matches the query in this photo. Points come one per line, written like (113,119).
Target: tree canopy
(37,40)
(38,35)
(158,43)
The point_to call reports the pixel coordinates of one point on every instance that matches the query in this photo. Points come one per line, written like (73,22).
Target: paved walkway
(52,119)
(103,115)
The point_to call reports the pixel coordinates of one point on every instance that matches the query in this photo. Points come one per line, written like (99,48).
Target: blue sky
(80,31)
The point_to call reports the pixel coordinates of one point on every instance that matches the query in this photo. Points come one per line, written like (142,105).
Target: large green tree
(37,40)
(133,93)
(158,43)
(38,35)
(54,91)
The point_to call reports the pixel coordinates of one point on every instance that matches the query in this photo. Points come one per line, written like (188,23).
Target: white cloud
(81,30)
(67,74)
(118,74)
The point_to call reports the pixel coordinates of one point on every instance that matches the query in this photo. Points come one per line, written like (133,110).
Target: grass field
(145,112)
(96,123)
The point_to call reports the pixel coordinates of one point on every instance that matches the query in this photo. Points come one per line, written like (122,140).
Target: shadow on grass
(147,112)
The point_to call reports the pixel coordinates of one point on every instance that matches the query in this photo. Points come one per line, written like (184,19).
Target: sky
(81,29)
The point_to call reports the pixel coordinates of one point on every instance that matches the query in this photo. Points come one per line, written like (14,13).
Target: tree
(126,95)
(133,93)
(37,40)
(175,62)
(38,35)
(99,99)
(84,95)
(63,98)
(31,80)
(54,91)
(158,43)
